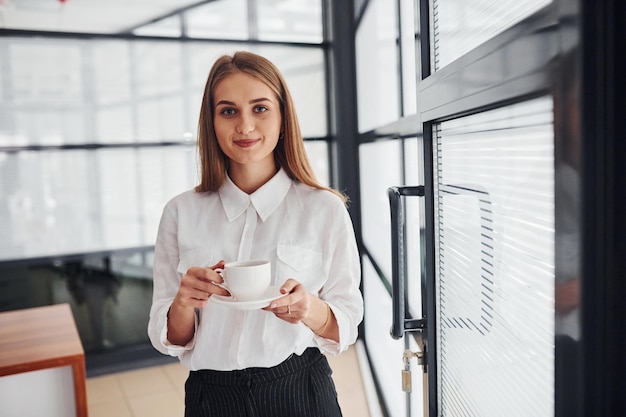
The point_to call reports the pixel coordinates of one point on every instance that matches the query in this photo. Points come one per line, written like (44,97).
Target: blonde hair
(289,154)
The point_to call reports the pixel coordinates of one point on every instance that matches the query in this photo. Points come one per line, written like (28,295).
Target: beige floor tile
(113,408)
(344,362)
(349,385)
(144,381)
(104,389)
(165,404)
(177,374)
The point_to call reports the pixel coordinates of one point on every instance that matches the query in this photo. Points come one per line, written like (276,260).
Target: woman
(257,199)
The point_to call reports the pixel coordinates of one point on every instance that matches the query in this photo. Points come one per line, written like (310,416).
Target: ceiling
(88,16)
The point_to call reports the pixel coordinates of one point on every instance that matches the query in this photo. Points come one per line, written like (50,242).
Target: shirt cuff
(176,350)
(330,346)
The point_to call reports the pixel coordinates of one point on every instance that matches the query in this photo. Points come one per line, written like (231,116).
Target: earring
(281,136)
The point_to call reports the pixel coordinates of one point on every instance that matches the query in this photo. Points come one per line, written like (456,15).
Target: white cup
(247,280)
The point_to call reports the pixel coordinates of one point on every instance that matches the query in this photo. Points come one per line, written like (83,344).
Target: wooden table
(42,338)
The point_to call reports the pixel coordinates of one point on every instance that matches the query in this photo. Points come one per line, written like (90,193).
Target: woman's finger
(289,286)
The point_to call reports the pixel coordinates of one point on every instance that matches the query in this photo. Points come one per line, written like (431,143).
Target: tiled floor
(159,391)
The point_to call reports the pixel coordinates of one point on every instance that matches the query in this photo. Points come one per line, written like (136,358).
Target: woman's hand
(301,306)
(293,307)
(197,285)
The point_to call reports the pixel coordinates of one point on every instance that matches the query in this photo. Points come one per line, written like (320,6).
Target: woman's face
(247,120)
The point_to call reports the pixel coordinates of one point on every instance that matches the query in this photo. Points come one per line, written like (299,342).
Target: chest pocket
(202,257)
(300,263)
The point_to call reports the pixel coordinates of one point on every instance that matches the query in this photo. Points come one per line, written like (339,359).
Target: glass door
(494,258)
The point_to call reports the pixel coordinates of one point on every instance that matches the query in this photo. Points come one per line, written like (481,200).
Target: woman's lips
(246,143)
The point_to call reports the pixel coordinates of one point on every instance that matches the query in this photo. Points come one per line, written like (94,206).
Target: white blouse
(307,235)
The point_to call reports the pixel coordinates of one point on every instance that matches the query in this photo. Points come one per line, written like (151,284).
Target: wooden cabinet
(42,358)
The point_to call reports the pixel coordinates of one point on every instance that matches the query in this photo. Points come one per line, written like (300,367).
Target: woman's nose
(245,125)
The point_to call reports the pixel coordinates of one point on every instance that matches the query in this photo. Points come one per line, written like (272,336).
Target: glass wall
(378,82)
(59,91)
(386,94)
(98,133)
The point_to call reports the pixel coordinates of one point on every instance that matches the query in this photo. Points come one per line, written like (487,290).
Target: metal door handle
(400,324)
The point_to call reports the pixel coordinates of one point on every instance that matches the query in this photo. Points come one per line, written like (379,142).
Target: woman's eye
(260,109)
(228,112)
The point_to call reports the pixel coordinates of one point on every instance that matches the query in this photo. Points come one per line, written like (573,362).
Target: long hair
(289,154)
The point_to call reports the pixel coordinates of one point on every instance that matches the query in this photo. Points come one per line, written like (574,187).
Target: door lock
(406,372)
(408,354)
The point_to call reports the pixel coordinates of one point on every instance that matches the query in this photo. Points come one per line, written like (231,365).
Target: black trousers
(301,386)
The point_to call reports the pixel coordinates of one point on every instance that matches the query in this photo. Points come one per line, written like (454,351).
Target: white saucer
(271,294)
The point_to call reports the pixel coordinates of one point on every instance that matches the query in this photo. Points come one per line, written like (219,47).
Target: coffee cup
(247,280)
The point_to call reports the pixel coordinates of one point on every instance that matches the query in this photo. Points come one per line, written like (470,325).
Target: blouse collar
(264,200)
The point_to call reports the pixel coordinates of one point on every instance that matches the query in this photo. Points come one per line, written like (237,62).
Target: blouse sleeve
(341,290)
(166,281)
